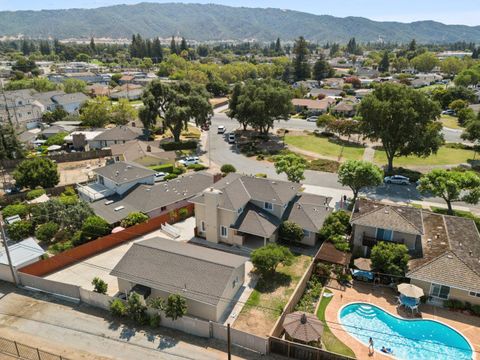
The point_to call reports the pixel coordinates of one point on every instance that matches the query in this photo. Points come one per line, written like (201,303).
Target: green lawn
(445,156)
(326,146)
(450,122)
(330,341)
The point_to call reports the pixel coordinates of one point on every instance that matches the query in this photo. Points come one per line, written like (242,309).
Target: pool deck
(468,326)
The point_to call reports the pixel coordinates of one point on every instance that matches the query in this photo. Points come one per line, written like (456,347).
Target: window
(440,291)
(223,231)
(202,226)
(473,293)
(384,234)
(268,206)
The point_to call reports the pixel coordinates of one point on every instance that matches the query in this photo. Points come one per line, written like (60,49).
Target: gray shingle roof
(198,273)
(119,133)
(123,172)
(256,221)
(309,211)
(70,98)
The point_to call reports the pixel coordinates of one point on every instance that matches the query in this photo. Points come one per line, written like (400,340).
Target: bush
(183,213)
(196,167)
(47,231)
(179,170)
(182,145)
(154,321)
(136,310)
(291,231)
(228,168)
(261,175)
(33,194)
(95,227)
(60,247)
(21,210)
(20,230)
(77,238)
(267,258)
(168,168)
(476,309)
(170,177)
(337,223)
(133,218)
(118,308)
(99,286)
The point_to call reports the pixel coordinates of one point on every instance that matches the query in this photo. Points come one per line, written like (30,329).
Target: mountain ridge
(211,22)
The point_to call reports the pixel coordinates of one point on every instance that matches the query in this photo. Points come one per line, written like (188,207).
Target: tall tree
(352,47)
(322,69)
(403,119)
(425,62)
(183,45)
(357,174)
(301,67)
(176,104)
(173,46)
(278,47)
(384,64)
(36,172)
(292,165)
(93,47)
(95,112)
(157,51)
(10,146)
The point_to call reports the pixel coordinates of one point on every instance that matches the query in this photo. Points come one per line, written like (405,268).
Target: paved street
(83,332)
(221,152)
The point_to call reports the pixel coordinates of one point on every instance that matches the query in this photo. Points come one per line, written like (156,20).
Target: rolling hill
(217,22)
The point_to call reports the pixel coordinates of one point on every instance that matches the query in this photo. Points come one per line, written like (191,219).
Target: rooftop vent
(449,256)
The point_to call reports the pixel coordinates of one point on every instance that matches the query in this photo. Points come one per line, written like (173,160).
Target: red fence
(68,257)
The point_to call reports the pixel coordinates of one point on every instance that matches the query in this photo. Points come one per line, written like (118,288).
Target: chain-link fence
(26,352)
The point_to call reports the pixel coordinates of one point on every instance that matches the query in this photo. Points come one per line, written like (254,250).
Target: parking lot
(82,273)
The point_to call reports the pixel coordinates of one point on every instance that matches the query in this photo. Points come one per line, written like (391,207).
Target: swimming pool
(409,339)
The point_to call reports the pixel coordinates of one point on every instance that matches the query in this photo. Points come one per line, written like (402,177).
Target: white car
(190,160)
(159,176)
(397,179)
(221,129)
(231,138)
(312,119)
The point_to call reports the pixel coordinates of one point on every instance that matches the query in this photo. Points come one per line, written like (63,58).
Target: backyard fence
(298,351)
(23,351)
(49,286)
(240,338)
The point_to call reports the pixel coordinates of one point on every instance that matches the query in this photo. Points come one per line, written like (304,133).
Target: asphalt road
(221,152)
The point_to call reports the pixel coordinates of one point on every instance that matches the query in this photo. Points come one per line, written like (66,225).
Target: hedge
(182,145)
(163,168)
(196,167)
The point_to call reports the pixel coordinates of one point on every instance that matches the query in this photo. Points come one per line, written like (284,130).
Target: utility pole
(229,344)
(7,251)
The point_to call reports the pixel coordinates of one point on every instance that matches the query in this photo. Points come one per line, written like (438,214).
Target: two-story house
(445,250)
(242,209)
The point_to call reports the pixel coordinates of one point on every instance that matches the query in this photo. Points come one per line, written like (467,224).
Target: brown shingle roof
(328,253)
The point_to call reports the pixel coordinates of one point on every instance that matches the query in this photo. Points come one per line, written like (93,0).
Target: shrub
(168,168)
(267,258)
(228,168)
(170,177)
(323,165)
(94,227)
(476,309)
(47,231)
(182,145)
(179,170)
(118,308)
(19,230)
(291,231)
(154,321)
(136,310)
(99,286)
(21,210)
(33,194)
(77,238)
(60,247)
(323,270)
(175,306)
(133,218)
(196,167)
(183,213)
(261,175)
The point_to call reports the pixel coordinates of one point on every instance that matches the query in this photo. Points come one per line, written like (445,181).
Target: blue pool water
(409,339)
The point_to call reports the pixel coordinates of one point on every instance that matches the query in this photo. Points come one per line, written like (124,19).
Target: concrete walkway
(369,154)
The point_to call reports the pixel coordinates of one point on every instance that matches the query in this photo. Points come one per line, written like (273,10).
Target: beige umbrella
(410,290)
(363,264)
(303,327)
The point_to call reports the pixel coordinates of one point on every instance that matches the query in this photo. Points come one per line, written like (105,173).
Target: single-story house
(145,153)
(70,102)
(23,253)
(245,210)
(444,250)
(115,135)
(313,106)
(208,279)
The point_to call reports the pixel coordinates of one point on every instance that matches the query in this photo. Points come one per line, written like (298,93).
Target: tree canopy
(292,165)
(390,258)
(425,62)
(403,119)
(37,172)
(358,174)
(267,258)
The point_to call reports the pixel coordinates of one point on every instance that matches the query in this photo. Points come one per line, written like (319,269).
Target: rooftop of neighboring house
(199,273)
(146,198)
(237,190)
(309,211)
(138,149)
(119,133)
(45,98)
(22,252)
(314,104)
(89,134)
(326,92)
(123,172)
(77,97)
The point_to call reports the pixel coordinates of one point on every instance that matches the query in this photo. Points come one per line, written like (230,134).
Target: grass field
(445,156)
(326,147)
(331,342)
(450,122)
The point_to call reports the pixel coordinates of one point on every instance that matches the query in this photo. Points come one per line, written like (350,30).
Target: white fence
(52,287)
(240,338)
(95,299)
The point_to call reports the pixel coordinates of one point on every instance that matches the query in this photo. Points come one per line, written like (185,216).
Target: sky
(465,12)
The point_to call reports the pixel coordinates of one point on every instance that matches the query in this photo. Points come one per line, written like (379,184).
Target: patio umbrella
(303,327)
(410,290)
(363,264)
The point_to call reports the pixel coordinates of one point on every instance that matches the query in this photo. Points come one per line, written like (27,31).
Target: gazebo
(302,327)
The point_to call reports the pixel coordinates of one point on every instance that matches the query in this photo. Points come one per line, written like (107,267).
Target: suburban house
(71,103)
(115,135)
(23,253)
(145,153)
(445,250)
(325,93)
(81,139)
(245,210)
(314,107)
(208,279)
(345,108)
(19,108)
(113,196)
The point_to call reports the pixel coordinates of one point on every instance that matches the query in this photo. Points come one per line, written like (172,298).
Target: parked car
(159,176)
(189,160)
(312,119)
(221,129)
(231,138)
(12,190)
(449,112)
(397,179)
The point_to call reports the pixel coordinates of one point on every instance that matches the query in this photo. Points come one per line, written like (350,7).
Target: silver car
(397,179)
